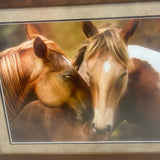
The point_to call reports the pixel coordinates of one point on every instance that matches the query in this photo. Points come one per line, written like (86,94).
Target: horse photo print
(81,81)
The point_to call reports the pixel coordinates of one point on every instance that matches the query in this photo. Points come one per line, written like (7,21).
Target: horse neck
(143,82)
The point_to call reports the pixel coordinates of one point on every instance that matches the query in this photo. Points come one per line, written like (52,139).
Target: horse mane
(109,38)
(12,77)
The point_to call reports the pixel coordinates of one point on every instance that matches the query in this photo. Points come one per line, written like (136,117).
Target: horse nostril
(108,129)
(93,125)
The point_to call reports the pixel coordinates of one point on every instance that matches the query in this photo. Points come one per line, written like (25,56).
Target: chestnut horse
(124,86)
(38,69)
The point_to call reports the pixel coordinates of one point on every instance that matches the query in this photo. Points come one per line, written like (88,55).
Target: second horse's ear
(129,29)
(40,48)
(89,29)
(32,31)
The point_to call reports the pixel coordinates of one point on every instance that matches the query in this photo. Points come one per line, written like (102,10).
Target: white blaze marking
(106,66)
(145,54)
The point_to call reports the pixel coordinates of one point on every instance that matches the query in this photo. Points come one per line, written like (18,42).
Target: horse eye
(124,74)
(67,76)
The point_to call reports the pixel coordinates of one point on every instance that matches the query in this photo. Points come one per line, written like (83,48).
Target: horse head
(60,83)
(38,68)
(104,64)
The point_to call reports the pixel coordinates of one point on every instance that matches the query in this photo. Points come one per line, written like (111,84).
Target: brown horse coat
(37,123)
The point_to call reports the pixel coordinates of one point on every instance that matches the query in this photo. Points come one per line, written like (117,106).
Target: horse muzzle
(102,130)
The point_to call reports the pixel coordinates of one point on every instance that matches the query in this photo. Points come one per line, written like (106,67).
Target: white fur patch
(145,54)
(106,66)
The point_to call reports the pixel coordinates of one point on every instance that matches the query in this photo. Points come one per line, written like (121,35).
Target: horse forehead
(100,59)
(111,64)
(107,66)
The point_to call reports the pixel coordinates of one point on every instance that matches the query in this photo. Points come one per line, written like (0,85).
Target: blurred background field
(69,36)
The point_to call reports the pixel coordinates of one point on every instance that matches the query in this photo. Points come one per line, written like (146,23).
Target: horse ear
(40,48)
(89,29)
(32,31)
(129,29)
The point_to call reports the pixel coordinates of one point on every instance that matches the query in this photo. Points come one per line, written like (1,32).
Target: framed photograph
(80,79)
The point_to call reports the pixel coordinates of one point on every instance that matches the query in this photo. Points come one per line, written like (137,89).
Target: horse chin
(50,105)
(100,136)
(102,132)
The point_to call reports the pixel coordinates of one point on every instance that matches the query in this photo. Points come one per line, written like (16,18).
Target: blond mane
(110,39)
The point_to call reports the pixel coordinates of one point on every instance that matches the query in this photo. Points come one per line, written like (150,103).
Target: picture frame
(127,10)
(41,3)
